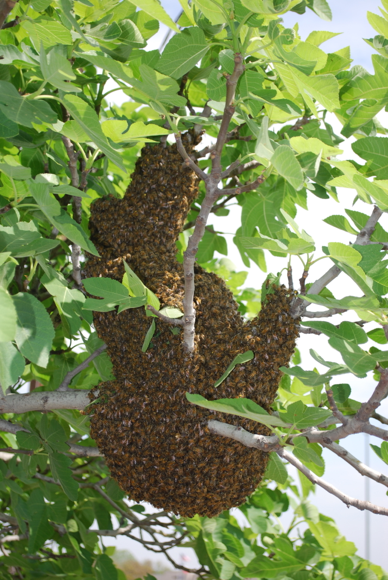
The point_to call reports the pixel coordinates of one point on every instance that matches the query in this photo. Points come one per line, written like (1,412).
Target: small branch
(357,464)
(64,386)
(244,188)
(334,409)
(230,169)
(16,451)
(114,533)
(8,427)
(376,431)
(82,451)
(189,162)
(242,436)
(13,538)
(380,418)
(300,123)
(290,278)
(324,314)
(6,6)
(347,500)
(381,391)
(45,401)
(302,282)
(304,330)
(8,519)
(167,319)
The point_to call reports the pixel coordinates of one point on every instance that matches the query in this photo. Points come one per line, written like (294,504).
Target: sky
(349,18)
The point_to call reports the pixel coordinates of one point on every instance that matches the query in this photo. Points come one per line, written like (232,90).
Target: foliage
(62,145)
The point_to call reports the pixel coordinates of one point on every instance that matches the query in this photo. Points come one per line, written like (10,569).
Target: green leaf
(216,86)
(60,467)
(28,440)
(16,171)
(242,407)
(321,8)
(22,111)
(39,527)
(154,9)
(171,312)
(8,317)
(54,434)
(303,417)
(239,359)
(264,567)
(380,24)
(276,469)
(358,361)
(340,222)
(323,88)
(50,32)
(374,150)
(88,120)
(148,336)
(11,365)
(35,331)
(69,190)
(263,148)
(112,292)
(346,330)
(117,130)
(105,569)
(311,378)
(183,52)
(303,451)
(261,212)
(57,69)
(286,164)
(60,218)
(210,243)
(133,283)
(7,127)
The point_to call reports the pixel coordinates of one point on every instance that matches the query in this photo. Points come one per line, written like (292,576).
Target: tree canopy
(264,100)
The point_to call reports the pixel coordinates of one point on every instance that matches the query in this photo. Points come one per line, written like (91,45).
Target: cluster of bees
(156,444)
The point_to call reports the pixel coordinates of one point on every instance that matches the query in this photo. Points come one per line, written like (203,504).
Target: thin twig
(333,407)
(239,434)
(189,162)
(304,330)
(302,282)
(243,188)
(290,278)
(357,464)
(167,319)
(44,401)
(381,391)
(346,499)
(324,313)
(64,386)
(380,418)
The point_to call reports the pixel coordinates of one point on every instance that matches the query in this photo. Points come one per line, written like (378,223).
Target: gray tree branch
(64,386)
(346,499)
(45,401)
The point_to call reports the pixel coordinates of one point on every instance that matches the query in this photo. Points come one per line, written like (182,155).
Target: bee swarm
(156,444)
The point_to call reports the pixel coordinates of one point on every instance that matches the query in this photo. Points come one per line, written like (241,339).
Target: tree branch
(333,407)
(64,386)
(45,401)
(346,499)
(243,188)
(212,192)
(245,437)
(324,313)
(357,464)
(189,162)
(381,391)
(6,6)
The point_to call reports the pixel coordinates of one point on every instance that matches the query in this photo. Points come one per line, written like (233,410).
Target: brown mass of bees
(156,444)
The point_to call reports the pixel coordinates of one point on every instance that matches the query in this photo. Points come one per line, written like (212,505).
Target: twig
(122,531)
(64,386)
(9,519)
(244,188)
(8,427)
(324,313)
(304,330)
(77,211)
(380,418)
(189,162)
(83,451)
(17,451)
(346,499)
(6,6)
(302,282)
(357,464)
(167,319)
(230,169)
(333,407)
(13,538)
(381,391)
(290,278)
